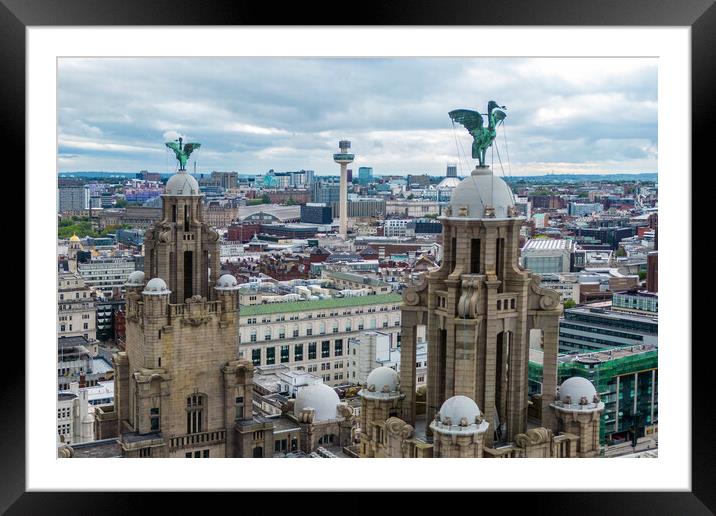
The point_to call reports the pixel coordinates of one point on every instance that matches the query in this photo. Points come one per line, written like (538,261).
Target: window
(284,354)
(298,352)
(338,348)
(309,331)
(154,419)
(195,413)
(270,356)
(325,349)
(256,357)
(295,332)
(253,336)
(311,351)
(145,452)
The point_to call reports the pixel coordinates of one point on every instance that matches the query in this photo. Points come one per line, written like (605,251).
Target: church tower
(179,388)
(479,308)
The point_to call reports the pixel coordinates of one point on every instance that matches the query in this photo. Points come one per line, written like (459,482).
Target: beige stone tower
(179,388)
(458,429)
(479,309)
(380,403)
(579,410)
(182,249)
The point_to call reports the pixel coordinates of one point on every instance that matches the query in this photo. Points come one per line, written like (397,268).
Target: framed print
(428,232)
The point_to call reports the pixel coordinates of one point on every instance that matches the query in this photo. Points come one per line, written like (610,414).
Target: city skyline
(256,114)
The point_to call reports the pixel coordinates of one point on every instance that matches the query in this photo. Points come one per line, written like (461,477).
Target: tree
(642,275)
(569,303)
(120,203)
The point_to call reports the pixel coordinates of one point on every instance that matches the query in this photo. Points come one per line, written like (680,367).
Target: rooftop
(336,302)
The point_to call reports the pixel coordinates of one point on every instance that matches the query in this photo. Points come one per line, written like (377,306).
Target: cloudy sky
(256,114)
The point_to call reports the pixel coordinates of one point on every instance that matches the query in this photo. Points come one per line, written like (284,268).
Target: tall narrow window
(453,253)
(194,413)
(154,419)
(188,275)
(499,257)
(475,256)
(174,212)
(186,217)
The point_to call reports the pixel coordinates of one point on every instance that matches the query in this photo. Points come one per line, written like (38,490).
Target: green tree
(120,203)
(642,275)
(569,303)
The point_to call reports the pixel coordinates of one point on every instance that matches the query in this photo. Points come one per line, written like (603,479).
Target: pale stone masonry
(480,308)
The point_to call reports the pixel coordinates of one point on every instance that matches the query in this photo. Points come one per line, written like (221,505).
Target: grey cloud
(252,114)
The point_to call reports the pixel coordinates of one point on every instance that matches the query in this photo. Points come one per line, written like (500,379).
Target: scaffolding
(626,380)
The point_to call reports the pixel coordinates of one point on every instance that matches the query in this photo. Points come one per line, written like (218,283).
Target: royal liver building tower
(180,390)
(481,310)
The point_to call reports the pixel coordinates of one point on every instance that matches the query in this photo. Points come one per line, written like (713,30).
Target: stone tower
(380,402)
(179,388)
(579,410)
(182,249)
(479,308)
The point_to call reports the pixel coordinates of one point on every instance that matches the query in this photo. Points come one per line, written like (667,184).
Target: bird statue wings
(473,122)
(469,119)
(182,152)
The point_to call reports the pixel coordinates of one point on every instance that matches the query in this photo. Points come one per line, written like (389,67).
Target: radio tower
(343,158)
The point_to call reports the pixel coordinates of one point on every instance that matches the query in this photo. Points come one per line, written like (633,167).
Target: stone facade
(479,309)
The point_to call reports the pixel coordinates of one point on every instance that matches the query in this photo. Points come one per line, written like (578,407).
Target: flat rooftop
(336,302)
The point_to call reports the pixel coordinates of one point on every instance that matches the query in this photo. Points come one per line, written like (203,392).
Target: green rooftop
(336,302)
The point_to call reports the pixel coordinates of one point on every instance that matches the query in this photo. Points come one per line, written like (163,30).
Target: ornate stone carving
(345,410)
(469,298)
(213,236)
(399,428)
(547,299)
(463,211)
(533,437)
(307,415)
(412,293)
(447,211)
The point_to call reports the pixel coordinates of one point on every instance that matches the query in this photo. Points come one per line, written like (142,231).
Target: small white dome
(478,191)
(227,282)
(381,377)
(156,286)
(575,388)
(457,408)
(183,184)
(319,397)
(135,279)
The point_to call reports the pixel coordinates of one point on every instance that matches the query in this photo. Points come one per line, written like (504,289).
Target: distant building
(584,329)
(636,301)
(451,170)
(626,380)
(105,273)
(316,214)
(72,198)
(583,209)
(542,255)
(652,274)
(313,335)
(365,175)
(76,316)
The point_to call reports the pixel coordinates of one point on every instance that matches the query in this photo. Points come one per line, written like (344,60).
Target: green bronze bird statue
(473,122)
(182,152)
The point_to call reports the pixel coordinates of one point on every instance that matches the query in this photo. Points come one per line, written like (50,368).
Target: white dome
(381,377)
(449,182)
(321,398)
(478,191)
(575,388)
(457,408)
(227,282)
(156,286)
(135,279)
(182,183)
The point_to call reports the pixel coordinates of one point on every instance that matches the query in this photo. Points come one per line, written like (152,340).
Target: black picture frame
(700,15)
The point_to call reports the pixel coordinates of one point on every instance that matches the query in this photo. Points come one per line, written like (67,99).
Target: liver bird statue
(182,152)
(473,122)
